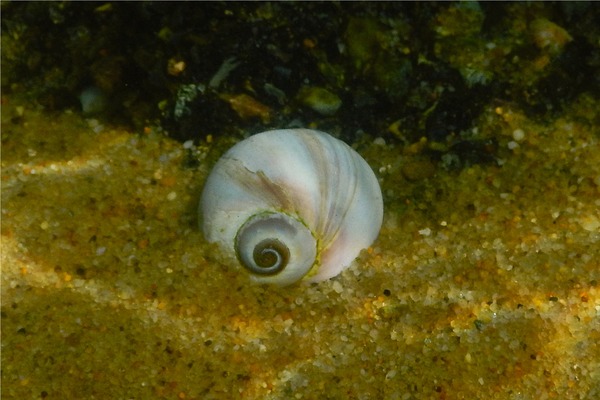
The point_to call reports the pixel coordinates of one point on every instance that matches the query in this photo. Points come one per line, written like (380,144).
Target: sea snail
(291,204)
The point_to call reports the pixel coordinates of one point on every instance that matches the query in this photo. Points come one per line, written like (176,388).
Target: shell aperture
(292,204)
(263,245)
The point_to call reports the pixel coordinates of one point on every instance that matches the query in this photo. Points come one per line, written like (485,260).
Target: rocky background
(399,70)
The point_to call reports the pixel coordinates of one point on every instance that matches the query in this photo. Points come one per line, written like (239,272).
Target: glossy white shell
(304,182)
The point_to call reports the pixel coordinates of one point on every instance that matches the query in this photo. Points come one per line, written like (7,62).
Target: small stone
(549,36)
(590,223)
(518,135)
(248,107)
(379,141)
(320,100)
(337,287)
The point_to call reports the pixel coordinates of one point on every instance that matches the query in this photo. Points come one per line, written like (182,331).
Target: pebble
(337,287)
(93,100)
(425,232)
(518,135)
(320,100)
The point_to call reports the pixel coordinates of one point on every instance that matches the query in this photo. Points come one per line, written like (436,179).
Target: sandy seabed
(484,282)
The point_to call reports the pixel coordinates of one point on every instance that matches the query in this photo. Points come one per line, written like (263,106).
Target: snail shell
(292,204)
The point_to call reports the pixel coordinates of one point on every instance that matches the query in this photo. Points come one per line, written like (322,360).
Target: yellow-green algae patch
(483,283)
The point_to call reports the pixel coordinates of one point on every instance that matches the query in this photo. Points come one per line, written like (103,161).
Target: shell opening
(275,248)
(270,257)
